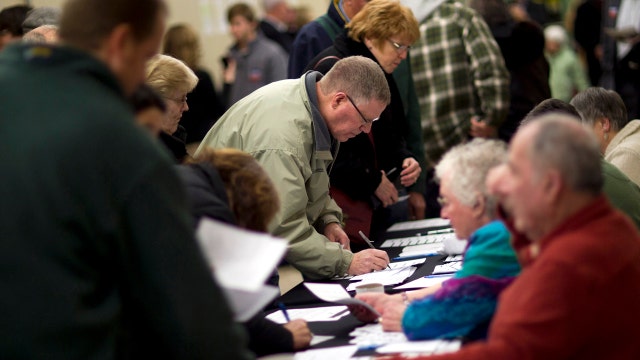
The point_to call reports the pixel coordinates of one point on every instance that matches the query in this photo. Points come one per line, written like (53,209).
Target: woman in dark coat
(382,31)
(230,186)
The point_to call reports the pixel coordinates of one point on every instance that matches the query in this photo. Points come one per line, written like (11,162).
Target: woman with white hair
(173,80)
(463,305)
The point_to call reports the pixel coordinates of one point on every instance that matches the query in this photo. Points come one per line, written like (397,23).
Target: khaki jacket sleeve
(302,205)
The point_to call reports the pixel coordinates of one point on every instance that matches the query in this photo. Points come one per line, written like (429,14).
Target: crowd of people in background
(519,121)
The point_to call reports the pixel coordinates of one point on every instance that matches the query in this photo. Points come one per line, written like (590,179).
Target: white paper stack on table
(395,274)
(419,224)
(241,262)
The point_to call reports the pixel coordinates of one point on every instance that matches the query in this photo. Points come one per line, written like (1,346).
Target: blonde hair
(181,41)
(253,198)
(381,19)
(167,75)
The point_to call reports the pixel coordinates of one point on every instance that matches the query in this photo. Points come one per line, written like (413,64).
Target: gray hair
(562,144)
(360,77)
(42,34)
(45,15)
(468,165)
(596,102)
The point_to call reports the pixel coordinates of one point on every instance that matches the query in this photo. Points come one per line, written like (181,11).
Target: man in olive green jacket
(292,127)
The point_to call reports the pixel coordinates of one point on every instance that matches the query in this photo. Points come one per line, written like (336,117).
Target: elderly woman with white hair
(173,80)
(463,305)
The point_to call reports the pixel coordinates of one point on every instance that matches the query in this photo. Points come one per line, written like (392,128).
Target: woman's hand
(300,332)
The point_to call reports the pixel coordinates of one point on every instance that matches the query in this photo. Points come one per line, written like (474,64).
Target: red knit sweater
(577,299)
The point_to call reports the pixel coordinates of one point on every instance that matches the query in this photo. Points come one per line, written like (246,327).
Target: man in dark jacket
(98,258)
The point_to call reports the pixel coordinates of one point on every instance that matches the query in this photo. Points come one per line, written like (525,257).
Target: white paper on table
(317,339)
(406,263)
(425,347)
(424,282)
(333,353)
(451,258)
(245,304)
(241,259)
(425,249)
(335,293)
(373,335)
(320,313)
(418,224)
(448,268)
(388,277)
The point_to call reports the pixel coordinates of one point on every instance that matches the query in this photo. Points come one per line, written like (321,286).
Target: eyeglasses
(399,47)
(360,112)
(180,101)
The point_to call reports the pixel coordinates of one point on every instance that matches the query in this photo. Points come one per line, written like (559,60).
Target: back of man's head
(45,15)
(596,102)
(86,23)
(550,106)
(563,144)
(360,77)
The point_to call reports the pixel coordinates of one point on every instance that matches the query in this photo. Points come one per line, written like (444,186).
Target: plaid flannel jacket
(459,72)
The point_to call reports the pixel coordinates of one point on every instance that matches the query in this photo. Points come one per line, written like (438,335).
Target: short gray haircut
(42,34)
(562,144)
(468,165)
(45,15)
(359,77)
(596,102)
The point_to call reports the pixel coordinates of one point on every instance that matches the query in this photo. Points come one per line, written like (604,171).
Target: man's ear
(605,123)
(552,185)
(337,99)
(116,47)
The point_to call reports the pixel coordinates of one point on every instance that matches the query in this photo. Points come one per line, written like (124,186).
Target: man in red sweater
(577,295)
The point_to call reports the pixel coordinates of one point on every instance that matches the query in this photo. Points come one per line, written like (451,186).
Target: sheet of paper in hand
(335,293)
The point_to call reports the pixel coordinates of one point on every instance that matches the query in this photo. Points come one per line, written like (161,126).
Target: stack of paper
(418,224)
(241,262)
(421,250)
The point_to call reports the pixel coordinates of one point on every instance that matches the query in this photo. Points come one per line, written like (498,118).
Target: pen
(284,311)
(368,347)
(390,171)
(366,239)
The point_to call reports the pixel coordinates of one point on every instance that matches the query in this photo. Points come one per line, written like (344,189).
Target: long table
(301,297)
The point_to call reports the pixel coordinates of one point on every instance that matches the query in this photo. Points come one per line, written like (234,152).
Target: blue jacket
(313,38)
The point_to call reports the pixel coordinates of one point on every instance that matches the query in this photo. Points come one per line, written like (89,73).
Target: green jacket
(280,125)
(623,193)
(98,259)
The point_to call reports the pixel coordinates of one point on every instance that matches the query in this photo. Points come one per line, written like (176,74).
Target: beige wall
(207,16)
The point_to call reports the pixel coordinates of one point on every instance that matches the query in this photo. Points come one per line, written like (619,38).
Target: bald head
(559,142)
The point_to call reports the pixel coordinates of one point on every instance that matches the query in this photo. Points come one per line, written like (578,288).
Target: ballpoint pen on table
(284,311)
(366,239)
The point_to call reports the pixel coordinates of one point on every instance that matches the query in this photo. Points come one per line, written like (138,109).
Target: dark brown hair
(86,23)
(253,199)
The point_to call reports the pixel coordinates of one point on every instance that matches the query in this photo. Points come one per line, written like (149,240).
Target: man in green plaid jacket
(460,77)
